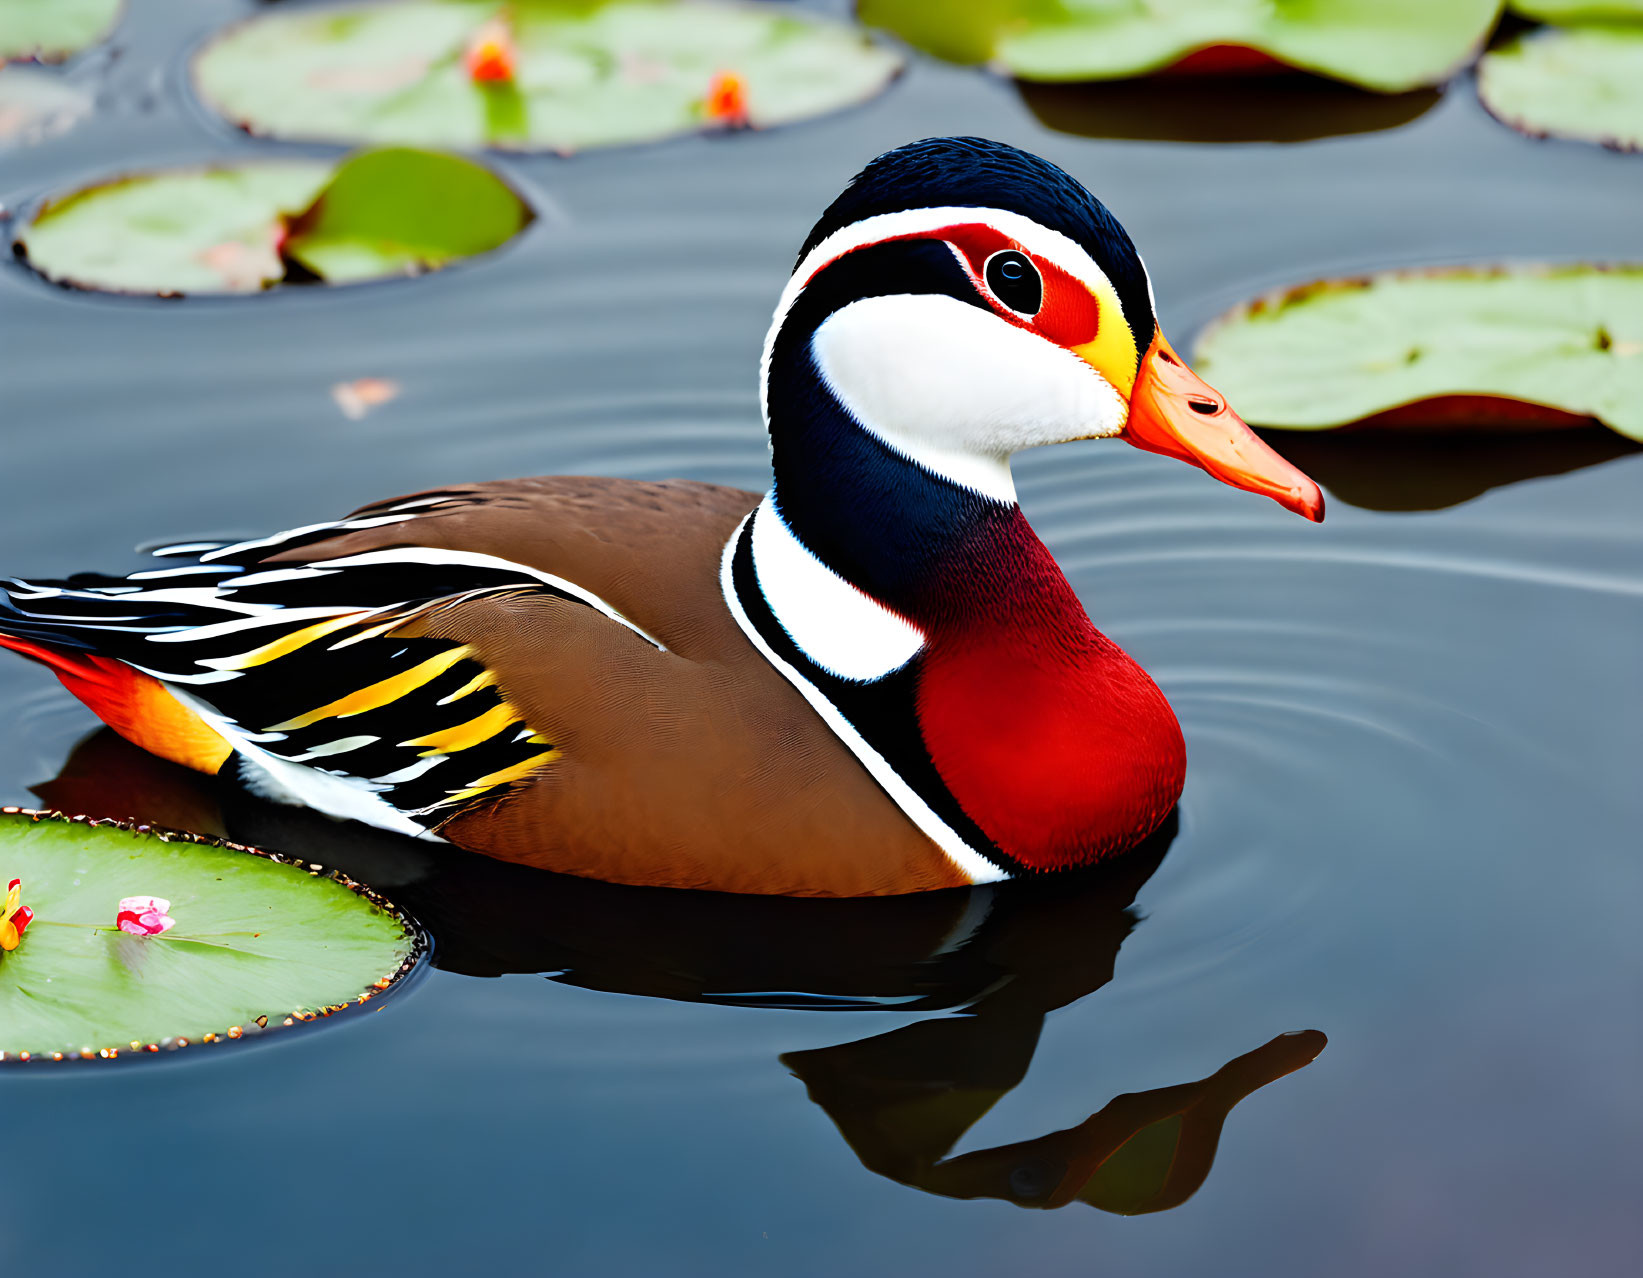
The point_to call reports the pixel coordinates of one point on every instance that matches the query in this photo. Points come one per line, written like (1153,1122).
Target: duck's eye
(1015,281)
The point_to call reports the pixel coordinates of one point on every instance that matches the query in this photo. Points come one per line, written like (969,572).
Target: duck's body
(874,679)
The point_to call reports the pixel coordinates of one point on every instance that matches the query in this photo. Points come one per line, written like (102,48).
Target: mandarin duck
(871,679)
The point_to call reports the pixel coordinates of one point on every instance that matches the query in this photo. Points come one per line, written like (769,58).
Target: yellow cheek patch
(1112,352)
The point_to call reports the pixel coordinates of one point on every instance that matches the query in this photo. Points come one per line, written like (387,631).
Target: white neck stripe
(970,863)
(844,631)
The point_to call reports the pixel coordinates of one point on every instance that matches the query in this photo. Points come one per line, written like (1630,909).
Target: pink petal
(143,904)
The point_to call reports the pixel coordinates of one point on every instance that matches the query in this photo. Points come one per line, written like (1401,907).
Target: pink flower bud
(144,916)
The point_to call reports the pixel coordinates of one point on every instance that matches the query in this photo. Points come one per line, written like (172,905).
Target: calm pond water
(1410,822)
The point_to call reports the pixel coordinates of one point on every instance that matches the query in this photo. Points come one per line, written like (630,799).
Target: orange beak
(1175,412)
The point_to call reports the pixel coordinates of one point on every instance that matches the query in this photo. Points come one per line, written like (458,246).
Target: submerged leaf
(1584,83)
(1387,45)
(50,30)
(35,105)
(570,74)
(236,230)
(360,396)
(1527,346)
(255,941)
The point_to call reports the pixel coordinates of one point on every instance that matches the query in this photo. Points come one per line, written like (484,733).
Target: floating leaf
(204,231)
(236,230)
(50,30)
(561,75)
(1387,45)
(1474,346)
(1584,83)
(35,105)
(258,941)
(395,210)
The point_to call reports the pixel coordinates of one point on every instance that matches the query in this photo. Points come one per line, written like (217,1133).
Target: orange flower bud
(491,57)
(726,101)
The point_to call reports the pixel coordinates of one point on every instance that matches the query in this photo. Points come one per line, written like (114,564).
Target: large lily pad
(1584,83)
(258,941)
(1477,346)
(1387,45)
(577,73)
(50,30)
(238,230)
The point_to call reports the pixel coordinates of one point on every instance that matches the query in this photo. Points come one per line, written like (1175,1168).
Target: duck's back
(696,765)
(542,670)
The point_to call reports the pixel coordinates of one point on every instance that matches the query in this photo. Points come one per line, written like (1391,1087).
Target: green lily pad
(259,941)
(400,210)
(1584,83)
(586,73)
(1526,346)
(35,105)
(50,30)
(1387,45)
(237,230)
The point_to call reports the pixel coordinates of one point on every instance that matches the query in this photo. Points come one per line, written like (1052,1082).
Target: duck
(872,679)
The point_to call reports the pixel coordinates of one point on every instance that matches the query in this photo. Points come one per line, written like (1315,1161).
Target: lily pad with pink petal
(259,942)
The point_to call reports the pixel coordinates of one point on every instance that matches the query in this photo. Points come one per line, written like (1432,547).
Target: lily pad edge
(1548,31)
(540,209)
(217,115)
(1518,411)
(420,947)
(56,57)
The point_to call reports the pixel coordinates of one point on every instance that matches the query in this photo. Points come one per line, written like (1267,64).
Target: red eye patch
(1069,316)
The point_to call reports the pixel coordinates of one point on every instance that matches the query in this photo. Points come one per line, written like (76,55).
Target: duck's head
(963,300)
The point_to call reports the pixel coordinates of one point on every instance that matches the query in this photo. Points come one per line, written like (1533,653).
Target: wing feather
(322,674)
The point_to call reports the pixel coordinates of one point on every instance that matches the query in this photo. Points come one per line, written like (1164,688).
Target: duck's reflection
(1005,956)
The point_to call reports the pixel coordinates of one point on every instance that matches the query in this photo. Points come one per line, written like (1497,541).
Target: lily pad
(1387,45)
(238,230)
(50,30)
(259,941)
(1584,83)
(558,75)
(35,105)
(398,210)
(1477,346)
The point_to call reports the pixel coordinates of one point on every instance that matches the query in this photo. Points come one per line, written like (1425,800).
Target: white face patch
(1040,241)
(845,632)
(957,389)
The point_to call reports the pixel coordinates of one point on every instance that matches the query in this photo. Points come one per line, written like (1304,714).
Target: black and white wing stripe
(322,675)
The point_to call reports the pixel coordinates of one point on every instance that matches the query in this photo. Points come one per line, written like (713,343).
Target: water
(1410,818)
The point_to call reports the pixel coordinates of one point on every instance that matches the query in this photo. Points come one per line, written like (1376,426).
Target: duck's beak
(1175,412)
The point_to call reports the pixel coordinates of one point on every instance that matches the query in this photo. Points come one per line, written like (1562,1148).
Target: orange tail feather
(137,706)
